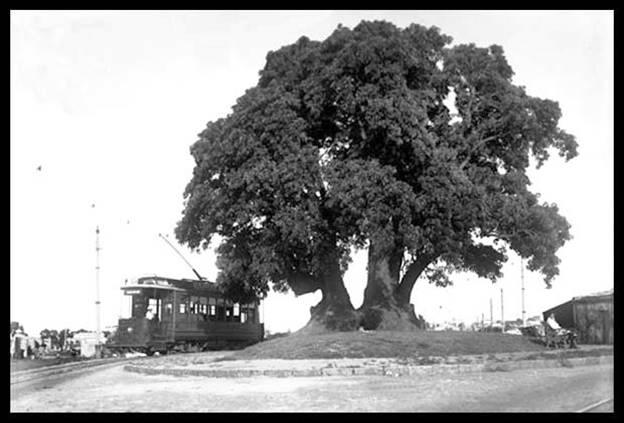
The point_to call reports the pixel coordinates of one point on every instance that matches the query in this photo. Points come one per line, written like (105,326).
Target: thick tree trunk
(383,276)
(335,312)
(404,292)
(386,303)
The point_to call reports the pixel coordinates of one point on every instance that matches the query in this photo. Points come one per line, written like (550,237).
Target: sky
(109,102)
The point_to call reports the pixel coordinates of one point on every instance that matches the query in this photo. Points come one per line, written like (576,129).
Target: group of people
(564,334)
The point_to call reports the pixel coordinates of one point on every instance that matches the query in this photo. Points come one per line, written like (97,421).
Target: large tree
(349,143)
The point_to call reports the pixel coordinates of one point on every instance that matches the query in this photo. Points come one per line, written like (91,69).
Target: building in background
(590,315)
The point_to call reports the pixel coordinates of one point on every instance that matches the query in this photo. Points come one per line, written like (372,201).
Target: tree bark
(334,312)
(380,309)
(383,276)
(414,270)
(386,303)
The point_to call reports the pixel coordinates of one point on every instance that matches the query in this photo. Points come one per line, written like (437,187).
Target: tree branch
(413,272)
(497,233)
(468,119)
(302,283)
(477,145)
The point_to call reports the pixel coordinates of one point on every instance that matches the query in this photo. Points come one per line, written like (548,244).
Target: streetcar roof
(150,286)
(168,284)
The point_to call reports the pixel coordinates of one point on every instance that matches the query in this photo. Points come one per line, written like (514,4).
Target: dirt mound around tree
(401,344)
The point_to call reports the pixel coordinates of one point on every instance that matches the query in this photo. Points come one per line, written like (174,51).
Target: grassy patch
(386,344)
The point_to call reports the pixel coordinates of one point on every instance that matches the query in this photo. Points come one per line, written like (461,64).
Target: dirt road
(114,390)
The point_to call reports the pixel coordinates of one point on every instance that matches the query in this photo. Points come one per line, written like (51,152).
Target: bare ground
(113,390)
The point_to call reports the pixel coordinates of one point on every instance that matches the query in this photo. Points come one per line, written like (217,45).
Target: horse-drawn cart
(559,338)
(554,338)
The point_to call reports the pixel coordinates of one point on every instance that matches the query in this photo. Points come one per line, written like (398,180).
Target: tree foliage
(349,142)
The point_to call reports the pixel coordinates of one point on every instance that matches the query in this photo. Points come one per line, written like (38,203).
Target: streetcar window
(152,305)
(236,310)
(126,307)
(169,308)
(183,305)
(203,305)
(229,313)
(153,309)
(244,313)
(212,308)
(139,306)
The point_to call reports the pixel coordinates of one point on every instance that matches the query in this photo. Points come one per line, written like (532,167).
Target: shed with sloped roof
(590,315)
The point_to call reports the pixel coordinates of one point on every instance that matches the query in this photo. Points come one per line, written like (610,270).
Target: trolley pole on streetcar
(97,293)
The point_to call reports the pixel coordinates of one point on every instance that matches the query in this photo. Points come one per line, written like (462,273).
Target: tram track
(23,377)
(595,405)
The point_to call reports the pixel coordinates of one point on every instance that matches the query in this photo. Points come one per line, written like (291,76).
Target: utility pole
(522,282)
(491,313)
(97,292)
(502,311)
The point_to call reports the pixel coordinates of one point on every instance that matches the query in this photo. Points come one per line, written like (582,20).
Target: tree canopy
(350,142)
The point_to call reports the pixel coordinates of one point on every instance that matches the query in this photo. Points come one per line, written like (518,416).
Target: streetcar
(183,315)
